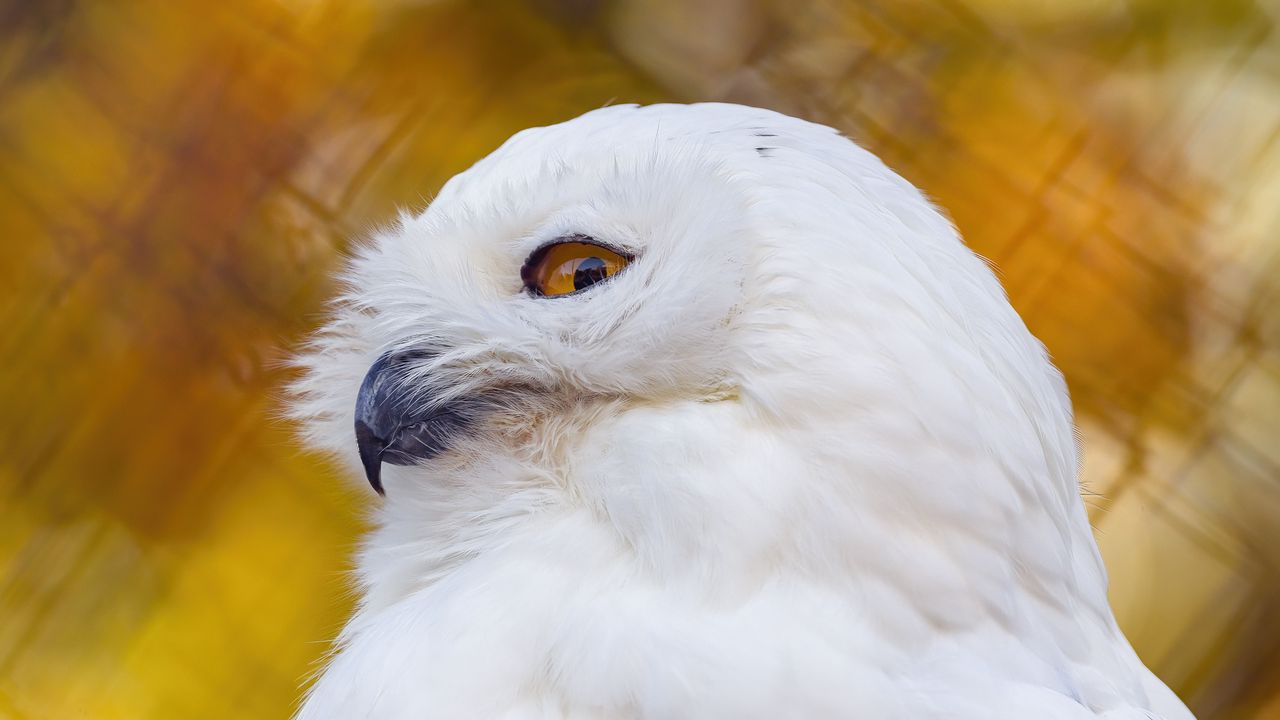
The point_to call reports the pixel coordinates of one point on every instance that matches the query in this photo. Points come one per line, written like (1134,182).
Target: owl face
(535,283)
(635,257)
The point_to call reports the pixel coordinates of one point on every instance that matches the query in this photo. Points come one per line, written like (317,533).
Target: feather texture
(800,459)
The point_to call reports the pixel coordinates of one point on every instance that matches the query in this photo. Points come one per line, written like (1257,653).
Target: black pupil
(589,272)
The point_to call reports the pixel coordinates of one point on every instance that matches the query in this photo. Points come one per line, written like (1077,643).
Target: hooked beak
(395,424)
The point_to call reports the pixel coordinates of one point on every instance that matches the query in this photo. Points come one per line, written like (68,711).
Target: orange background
(178,179)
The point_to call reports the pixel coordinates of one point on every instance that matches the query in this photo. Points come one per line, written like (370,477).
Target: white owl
(702,412)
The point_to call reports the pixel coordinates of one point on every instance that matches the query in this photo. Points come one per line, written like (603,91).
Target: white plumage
(801,459)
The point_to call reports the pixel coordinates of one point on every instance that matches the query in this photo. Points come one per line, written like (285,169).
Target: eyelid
(578,238)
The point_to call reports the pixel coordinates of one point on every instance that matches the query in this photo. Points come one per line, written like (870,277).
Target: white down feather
(800,460)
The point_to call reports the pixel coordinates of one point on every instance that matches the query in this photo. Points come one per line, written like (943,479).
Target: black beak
(395,424)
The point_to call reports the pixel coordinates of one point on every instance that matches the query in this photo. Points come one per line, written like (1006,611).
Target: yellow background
(178,179)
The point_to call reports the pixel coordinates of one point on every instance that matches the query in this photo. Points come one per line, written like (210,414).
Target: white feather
(801,459)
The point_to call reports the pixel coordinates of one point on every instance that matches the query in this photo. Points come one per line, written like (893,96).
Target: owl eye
(574,264)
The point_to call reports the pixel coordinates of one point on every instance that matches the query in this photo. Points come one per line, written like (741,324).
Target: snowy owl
(700,411)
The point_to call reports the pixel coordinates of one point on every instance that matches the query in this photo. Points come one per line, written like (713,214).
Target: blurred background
(178,179)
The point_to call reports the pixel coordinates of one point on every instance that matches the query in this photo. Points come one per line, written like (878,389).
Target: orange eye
(567,267)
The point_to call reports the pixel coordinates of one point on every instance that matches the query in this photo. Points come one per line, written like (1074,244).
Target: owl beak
(399,425)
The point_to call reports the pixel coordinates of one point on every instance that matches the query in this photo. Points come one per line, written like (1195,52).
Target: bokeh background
(178,179)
